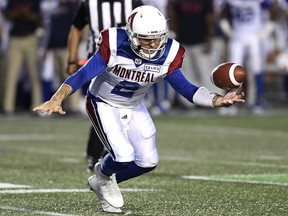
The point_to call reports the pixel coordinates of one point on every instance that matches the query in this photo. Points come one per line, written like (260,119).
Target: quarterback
(129,61)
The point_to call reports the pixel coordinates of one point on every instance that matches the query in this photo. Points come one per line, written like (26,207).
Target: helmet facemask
(147,22)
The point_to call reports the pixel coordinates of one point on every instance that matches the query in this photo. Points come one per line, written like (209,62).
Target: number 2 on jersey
(125,89)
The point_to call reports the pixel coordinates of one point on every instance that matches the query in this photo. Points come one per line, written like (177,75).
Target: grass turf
(239,167)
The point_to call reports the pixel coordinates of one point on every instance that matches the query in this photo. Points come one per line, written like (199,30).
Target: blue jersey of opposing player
(122,78)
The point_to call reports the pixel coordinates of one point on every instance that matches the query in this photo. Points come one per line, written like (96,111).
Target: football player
(99,15)
(129,61)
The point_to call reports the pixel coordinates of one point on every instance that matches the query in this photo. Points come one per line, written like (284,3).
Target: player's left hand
(50,107)
(234,96)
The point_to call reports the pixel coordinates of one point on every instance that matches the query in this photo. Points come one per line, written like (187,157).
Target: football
(228,75)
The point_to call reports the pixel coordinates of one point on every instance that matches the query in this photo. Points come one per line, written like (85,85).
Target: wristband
(204,97)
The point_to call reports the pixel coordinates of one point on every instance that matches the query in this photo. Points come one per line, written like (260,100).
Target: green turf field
(209,165)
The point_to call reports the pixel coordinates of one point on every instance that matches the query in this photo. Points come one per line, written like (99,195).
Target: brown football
(228,75)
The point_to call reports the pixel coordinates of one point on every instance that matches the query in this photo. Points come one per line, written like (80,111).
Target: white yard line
(207,178)
(9,185)
(32,211)
(23,191)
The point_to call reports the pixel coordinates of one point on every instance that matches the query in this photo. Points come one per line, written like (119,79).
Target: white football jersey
(128,77)
(246,16)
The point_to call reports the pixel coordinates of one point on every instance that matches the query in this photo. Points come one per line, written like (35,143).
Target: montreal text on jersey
(134,75)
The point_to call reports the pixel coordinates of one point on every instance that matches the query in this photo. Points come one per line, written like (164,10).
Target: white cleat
(108,208)
(106,188)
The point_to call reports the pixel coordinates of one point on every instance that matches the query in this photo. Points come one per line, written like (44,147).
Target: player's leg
(143,141)
(141,134)
(110,125)
(48,75)
(95,150)
(161,102)
(165,103)
(32,63)
(235,53)
(14,62)
(256,64)
(156,108)
(203,67)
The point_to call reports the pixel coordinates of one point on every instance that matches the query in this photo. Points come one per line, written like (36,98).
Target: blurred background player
(99,15)
(3,49)
(194,25)
(280,56)
(26,27)
(58,18)
(242,22)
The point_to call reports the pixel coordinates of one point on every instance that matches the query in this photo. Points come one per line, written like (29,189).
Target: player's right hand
(50,107)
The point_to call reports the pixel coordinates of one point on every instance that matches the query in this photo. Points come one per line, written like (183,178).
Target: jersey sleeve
(104,47)
(95,66)
(181,85)
(178,60)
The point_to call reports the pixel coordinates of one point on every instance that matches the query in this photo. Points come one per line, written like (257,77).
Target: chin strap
(138,48)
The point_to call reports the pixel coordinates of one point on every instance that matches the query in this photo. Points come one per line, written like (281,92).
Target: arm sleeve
(181,85)
(95,66)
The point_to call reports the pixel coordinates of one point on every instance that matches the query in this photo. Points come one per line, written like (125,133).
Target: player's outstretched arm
(234,96)
(55,103)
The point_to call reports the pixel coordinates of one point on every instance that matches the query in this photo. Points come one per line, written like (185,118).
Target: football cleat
(106,188)
(108,208)
(105,206)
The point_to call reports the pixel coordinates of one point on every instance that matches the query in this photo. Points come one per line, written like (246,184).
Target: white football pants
(127,134)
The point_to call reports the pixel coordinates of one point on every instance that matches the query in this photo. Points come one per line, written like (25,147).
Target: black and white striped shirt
(102,14)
